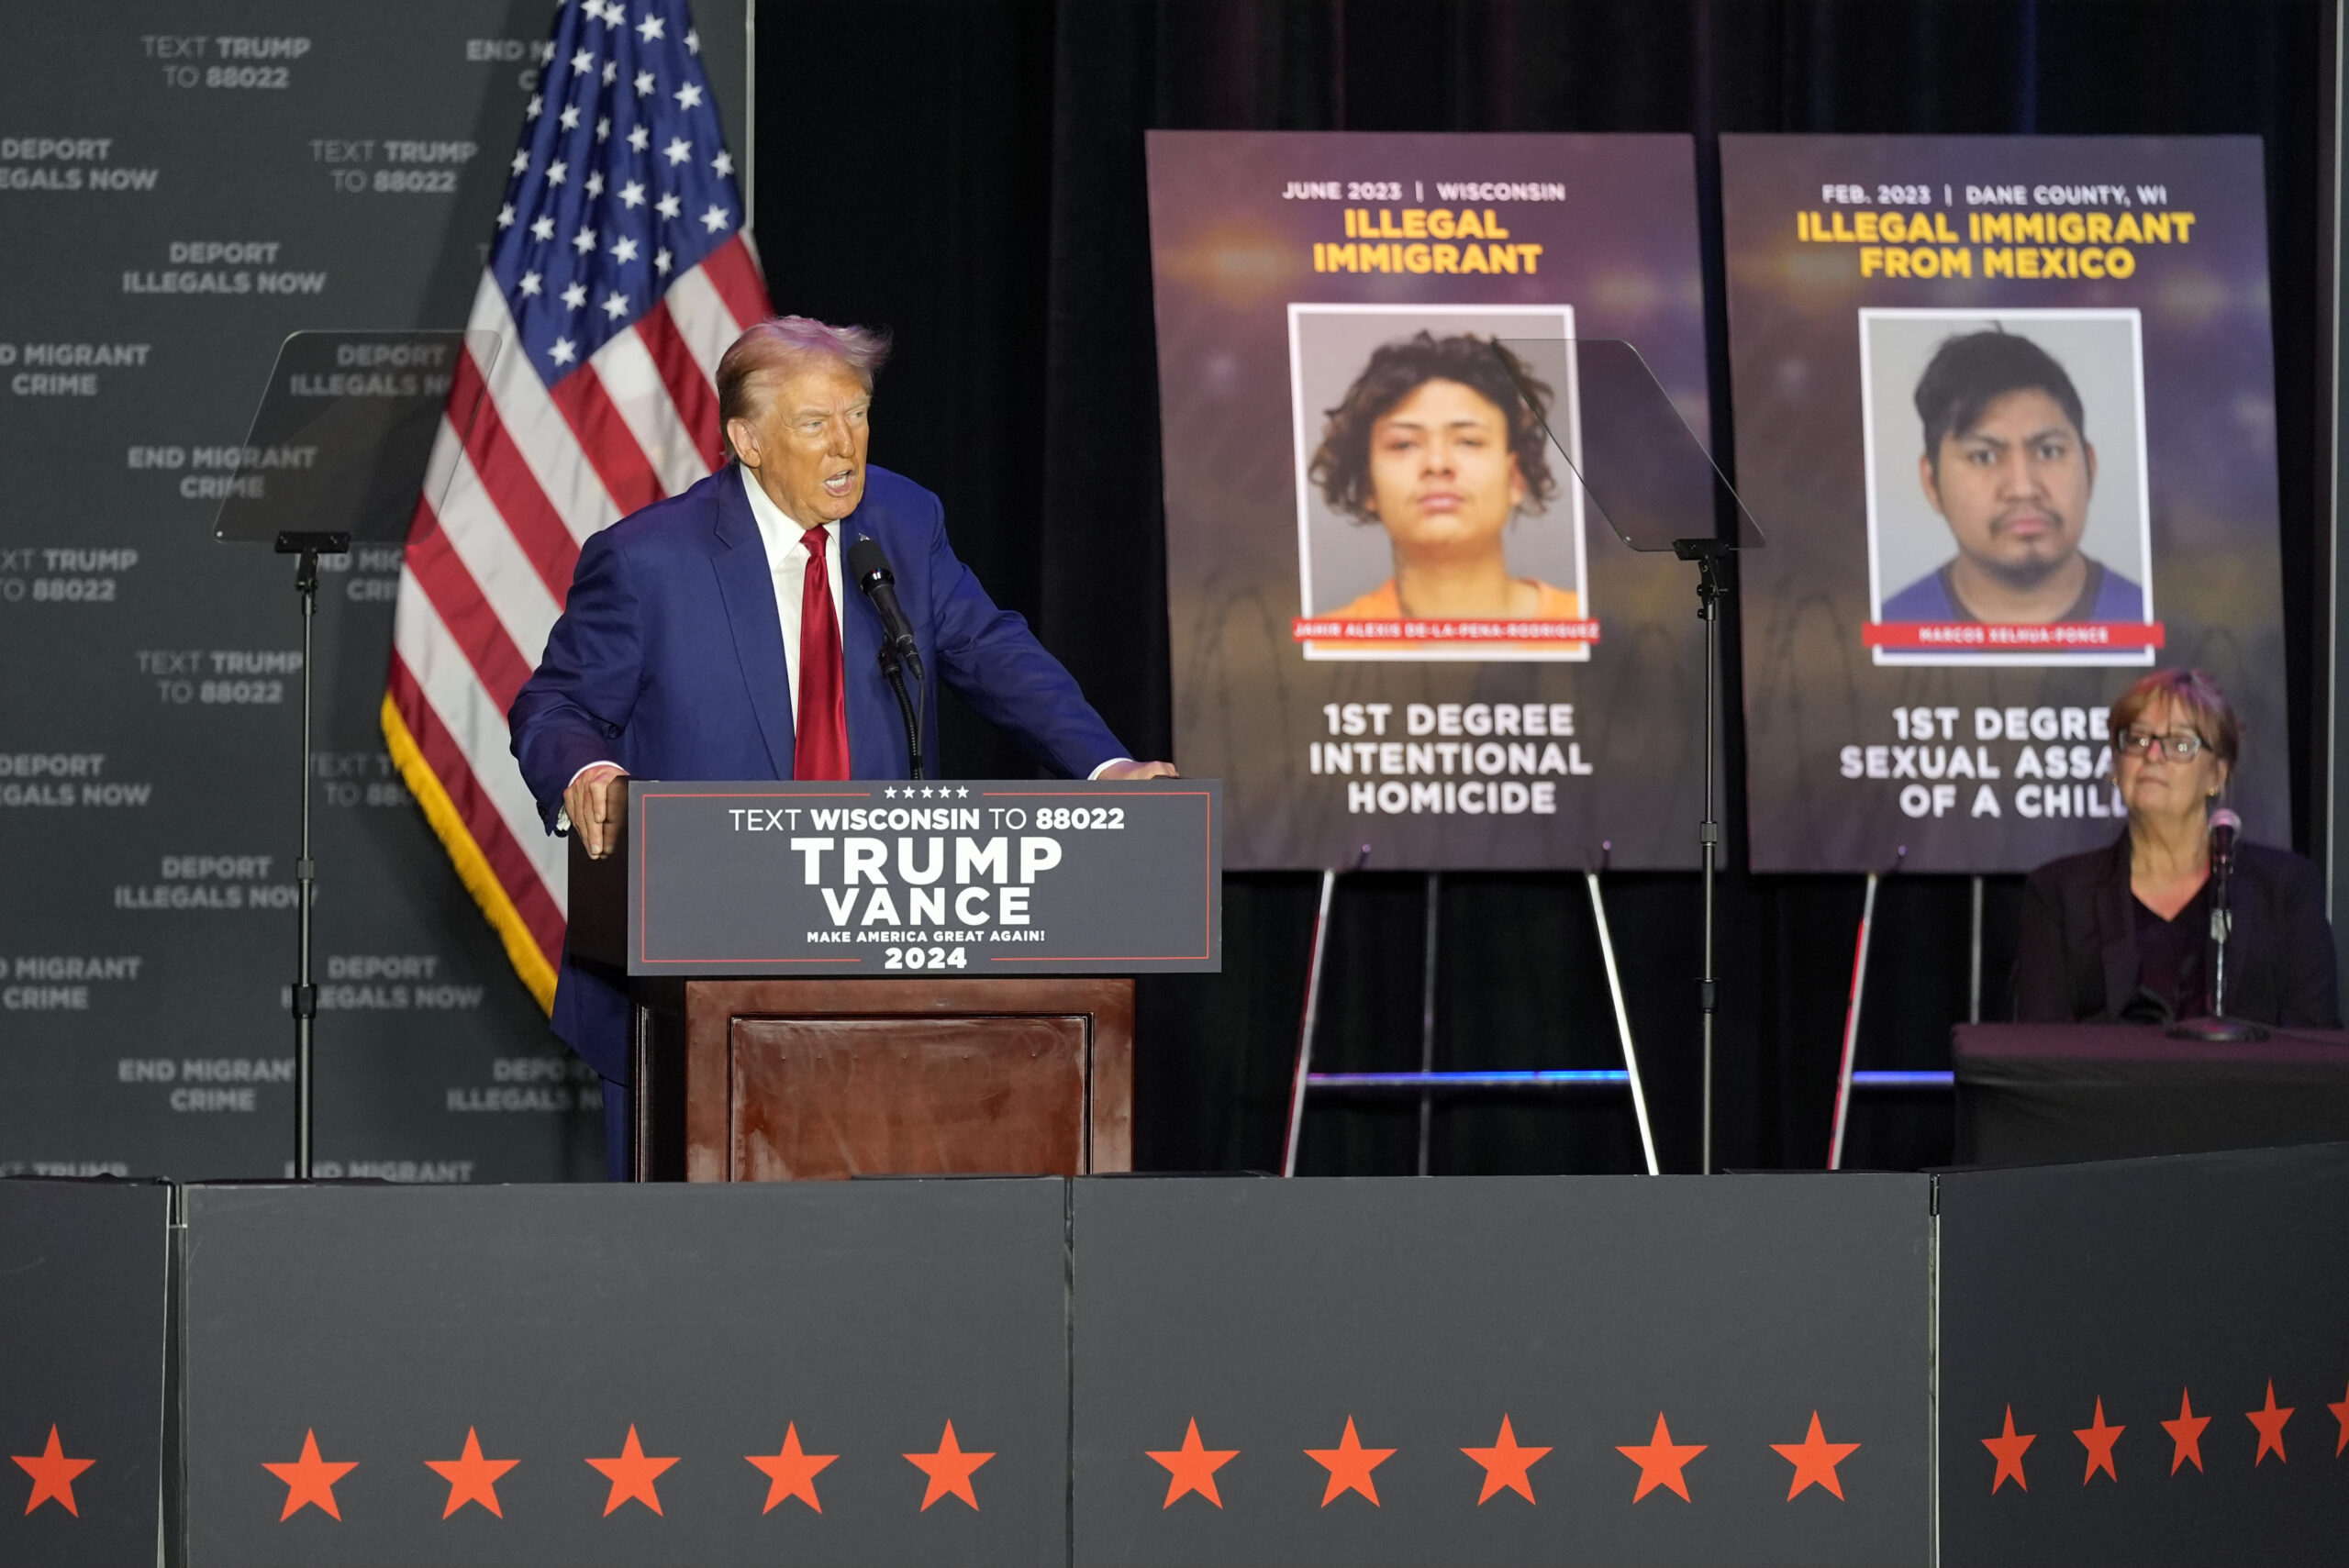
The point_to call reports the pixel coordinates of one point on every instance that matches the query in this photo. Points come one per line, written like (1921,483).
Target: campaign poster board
(1432,644)
(2078,326)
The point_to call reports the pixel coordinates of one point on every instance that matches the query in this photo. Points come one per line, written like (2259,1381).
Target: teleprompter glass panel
(1622,436)
(342,439)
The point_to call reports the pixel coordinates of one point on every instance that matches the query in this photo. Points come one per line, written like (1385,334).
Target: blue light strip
(1557,1078)
(1574,1078)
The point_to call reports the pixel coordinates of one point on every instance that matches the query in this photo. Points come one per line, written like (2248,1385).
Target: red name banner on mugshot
(2006,408)
(1395,618)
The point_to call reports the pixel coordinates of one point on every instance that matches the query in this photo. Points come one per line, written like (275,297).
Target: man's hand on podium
(597,803)
(1129,769)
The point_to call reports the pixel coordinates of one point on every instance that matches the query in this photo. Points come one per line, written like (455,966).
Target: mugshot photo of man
(2009,466)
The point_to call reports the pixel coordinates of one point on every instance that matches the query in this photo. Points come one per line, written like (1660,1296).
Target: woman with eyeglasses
(2122,935)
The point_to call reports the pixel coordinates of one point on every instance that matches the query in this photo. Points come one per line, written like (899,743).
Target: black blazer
(2077,960)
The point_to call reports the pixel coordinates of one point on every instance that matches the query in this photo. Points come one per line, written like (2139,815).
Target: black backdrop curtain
(970,174)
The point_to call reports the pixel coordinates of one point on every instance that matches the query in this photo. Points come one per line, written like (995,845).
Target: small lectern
(844,979)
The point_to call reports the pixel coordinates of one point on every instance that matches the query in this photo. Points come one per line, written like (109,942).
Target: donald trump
(708,637)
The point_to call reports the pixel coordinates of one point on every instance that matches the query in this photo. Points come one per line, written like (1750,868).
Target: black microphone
(871,569)
(2225,825)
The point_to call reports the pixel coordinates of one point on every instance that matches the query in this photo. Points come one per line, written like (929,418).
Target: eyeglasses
(2183,747)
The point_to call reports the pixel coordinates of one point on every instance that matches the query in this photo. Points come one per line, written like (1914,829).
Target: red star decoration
(1348,1465)
(310,1479)
(1815,1460)
(2008,1448)
(2270,1422)
(52,1475)
(632,1473)
(949,1471)
(1192,1467)
(2099,1439)
(2185,1433)
(2341,1414)
(471,1478)
(1661,1461)
(792,1472)
(1504,1465)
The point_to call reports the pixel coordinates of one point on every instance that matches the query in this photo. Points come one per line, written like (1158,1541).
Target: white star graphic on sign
(888,794)
(536,104)
(692,41)
(715,218)
(650,28)
(575,295)
(542,228)
(506,216)
(558,172)
(617,305)
(689,95)
(522,161)
(925,791)
(584,240)
(562,353)
(604,125)
(962,795)
(661,260)
(632,194)
(569,118)
(639,139)
(595,183)
(669,206)
(723,162)
(529,284)
(678,150)
(623,249)
(583,61)
(643,84)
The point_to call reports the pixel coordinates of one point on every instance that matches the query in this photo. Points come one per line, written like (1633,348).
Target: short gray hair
(784,345)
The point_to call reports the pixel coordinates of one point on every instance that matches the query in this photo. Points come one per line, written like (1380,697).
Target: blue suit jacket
(668,660)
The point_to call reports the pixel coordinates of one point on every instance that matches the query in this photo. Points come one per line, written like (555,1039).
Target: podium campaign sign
(1004,877)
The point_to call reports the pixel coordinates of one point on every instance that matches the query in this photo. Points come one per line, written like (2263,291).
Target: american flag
(618,273)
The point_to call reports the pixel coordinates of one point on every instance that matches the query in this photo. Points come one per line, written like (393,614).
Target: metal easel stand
(1312,1015)
(1849,1077)
(1426,1083)
(305,997)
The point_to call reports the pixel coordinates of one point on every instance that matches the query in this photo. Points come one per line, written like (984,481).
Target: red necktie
(819,748)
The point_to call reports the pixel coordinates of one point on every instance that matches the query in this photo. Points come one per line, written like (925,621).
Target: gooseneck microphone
(898,651)
(871,569)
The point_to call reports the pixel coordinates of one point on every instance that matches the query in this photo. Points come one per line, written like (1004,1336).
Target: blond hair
(781,347)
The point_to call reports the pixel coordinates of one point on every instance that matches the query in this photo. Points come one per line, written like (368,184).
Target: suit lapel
(747,584)
(2117,927)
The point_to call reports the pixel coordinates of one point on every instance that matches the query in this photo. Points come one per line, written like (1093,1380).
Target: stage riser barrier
(806,1346)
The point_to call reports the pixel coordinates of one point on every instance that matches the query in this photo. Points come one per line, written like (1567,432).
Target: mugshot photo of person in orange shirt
(1434,444)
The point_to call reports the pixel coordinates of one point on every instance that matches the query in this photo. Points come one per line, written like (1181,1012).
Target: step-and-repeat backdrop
(182,185)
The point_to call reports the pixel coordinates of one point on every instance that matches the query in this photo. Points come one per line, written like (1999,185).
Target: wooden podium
(766,1080)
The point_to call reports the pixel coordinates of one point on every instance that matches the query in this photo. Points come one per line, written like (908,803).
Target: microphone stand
(1712,586)
(2218,1029)
(894,667)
